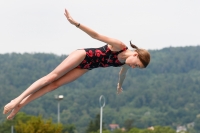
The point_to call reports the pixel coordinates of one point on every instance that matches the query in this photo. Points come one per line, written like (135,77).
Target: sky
(32,26)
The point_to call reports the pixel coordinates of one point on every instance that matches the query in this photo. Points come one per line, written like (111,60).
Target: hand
(69,18)
(119,89)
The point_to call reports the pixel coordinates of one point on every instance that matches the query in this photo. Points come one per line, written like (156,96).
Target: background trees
(166,93)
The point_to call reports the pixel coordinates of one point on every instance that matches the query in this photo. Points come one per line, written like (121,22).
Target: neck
(125,54)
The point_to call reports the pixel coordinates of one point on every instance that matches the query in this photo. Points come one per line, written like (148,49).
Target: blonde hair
(143,55)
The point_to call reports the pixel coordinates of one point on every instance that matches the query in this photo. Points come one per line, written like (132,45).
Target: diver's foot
(10,106)
(13,113)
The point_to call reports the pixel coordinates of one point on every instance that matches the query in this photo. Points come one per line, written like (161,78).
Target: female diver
(114,53)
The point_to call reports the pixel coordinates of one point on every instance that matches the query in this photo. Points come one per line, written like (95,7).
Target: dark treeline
(166,93)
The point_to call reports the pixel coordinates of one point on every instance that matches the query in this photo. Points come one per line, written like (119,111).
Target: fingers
(119,90)
(66,13)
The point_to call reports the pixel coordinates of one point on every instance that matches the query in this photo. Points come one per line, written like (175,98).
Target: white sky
(40,25)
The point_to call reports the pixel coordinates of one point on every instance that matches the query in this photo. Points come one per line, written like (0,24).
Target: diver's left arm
(122,75)
(117,44)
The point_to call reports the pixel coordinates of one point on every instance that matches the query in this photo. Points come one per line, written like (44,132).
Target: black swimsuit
(100,57)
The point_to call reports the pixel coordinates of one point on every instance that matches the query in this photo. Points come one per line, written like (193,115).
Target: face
(134,62)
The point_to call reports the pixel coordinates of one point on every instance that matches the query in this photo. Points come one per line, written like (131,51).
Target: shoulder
(123,46)
(120,47)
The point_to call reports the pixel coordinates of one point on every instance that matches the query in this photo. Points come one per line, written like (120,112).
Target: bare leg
(67,78)
(73,60)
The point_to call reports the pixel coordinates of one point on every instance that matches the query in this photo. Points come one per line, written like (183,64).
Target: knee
(54,85)
(50,78)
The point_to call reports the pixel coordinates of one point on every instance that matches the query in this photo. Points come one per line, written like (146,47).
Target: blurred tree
(94,125)
(38,125)
(128,124)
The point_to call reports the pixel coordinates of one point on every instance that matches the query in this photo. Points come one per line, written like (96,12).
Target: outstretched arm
(122,75)
(114,42)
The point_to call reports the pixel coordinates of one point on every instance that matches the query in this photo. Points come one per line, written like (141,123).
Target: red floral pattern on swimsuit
(100,57)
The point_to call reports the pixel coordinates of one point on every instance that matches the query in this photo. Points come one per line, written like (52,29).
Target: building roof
(114,126)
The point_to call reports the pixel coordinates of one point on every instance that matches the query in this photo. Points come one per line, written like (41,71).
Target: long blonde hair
(143,55)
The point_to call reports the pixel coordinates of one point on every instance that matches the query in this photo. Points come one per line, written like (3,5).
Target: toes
(5,111)
(9,118)
(8,108)
(11,115)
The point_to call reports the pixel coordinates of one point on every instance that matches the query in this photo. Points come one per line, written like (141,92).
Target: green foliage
(24,123)
(104,131)
(157,129)
(128,124)
(69,128)
(135,130)
(118,131)
(197,124)
(37,125)
(5,127)
(166,93)
(94,125)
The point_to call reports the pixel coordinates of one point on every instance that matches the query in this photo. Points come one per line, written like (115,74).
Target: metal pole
(101,120)
(101,110)
(58,111)
(59,98)
(12,129)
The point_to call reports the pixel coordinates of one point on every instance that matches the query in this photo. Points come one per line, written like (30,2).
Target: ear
(135,54)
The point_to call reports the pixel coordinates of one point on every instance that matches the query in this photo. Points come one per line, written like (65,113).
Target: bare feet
(14,112)
(11,105)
